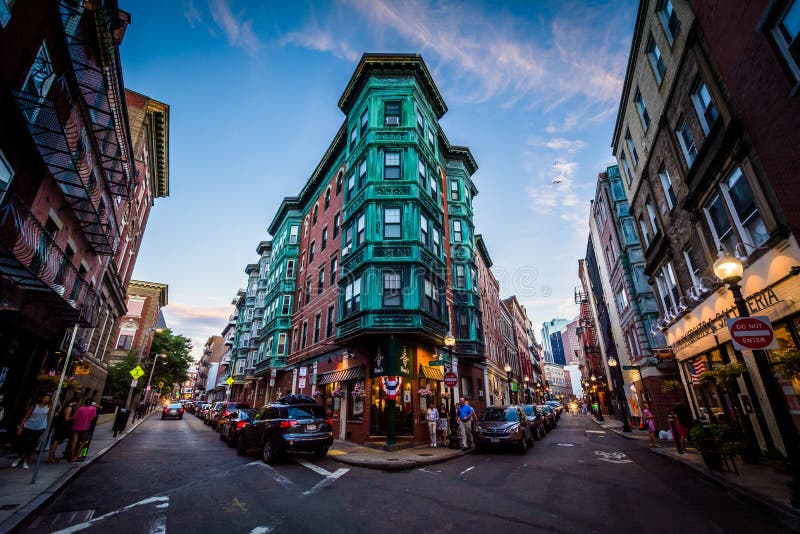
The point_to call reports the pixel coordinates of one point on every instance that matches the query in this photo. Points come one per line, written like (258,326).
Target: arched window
(327,198)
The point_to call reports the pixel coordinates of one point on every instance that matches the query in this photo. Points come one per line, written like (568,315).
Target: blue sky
(532,88)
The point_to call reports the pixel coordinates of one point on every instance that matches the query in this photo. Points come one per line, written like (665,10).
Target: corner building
(374,262)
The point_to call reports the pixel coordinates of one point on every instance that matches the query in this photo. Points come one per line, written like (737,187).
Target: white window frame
(626,167)
(665,11)
(653,217)
(667,186)
(694,270)
(656,59)
(780,39)
(458,234)
(701,108)
(641,107)
(741,234)
(631,147)
(689,152)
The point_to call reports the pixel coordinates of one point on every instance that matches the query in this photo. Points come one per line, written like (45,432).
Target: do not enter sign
(450,380)
(752,333)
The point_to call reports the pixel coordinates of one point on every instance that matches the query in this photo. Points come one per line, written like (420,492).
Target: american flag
(697,369)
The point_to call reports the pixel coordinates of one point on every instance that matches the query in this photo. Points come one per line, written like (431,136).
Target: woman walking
(442,425)
(31,427)
(433,417)
(63,429)
(651,426)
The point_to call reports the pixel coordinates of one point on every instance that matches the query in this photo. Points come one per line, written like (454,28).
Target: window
(334,268)
(668,287)
(622,299)
(308,288)
(327,198)
(125,342)
(294,339)
(299,299)
(304,336)
(52,225)
(454,190)
(338,183)
(392,295)
(787,36)
(651,214)
(434,188)
(391,165)
(391,113)
(353,137)
(293,231)
(290,269)
(656,60)
(336,221)
(40,78)
(461,279)
(631,148)
(645,231)
(669,20)
(466,386)
(733,216)
(352,296)
(423,229)
(436,247)
(692,266)
(457,234)
(422,173)
(420,124)
(311,252)
(666,184)
(686,142)
(362,174)
(6,174)
(360,237)
(431,302)
(286,305)
(324,242)
(321,282)
(704,106)
(642,109)
(348,236)
(314,216)
(430,137)
(329,323)
(364,122)
(462,326)
(316,328)
(391,223)
(626,168)
(281,344)
(351,185)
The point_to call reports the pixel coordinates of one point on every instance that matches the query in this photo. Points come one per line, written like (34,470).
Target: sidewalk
(352,454)
(19,498)
(758,482)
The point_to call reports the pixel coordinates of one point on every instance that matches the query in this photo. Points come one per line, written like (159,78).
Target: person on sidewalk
(31,428)
(62,428)
(651,426)
(92,425)
(465,417)
(685,422)
(433,417)
(80,427)
(442,425)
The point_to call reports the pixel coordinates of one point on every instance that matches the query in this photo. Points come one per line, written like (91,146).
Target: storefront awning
(431,373)
(341,376)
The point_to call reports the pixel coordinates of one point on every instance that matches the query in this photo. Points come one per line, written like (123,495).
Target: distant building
(138,326)
(549,328)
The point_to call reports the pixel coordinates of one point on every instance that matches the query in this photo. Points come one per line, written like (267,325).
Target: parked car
(172,410)
(229,430)
(293,423)
(224,412)
(556,406)
(211,412)
(535,420)
(504,425)
(550,416)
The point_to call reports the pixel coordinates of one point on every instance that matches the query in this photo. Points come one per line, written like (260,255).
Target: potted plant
(787,364)
(708,440)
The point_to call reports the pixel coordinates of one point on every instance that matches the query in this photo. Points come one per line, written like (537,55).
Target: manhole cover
(424,454)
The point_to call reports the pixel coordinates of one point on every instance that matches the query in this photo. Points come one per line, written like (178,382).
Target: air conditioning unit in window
(392,121)
(480,393)
(346,250)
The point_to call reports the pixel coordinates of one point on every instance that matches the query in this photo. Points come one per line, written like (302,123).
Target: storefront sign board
(752,333)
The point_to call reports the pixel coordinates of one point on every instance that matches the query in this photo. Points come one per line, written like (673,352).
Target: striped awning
(344,375)
(431,373)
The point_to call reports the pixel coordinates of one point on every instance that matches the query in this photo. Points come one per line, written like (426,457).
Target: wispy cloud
(321,41)
(237,29)
(191,14)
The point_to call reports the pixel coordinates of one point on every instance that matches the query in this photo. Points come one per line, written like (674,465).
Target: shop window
(466,387)
(355,405)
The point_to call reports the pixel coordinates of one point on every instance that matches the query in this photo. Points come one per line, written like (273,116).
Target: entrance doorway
(379,415)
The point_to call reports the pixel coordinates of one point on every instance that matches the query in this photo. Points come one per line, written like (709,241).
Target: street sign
(271,382)
(83,368)
(301,383)
(630,367)
(137,372)
(147,388)
(229,380)
(134,382)
(752,333)
(450,380)
(437,363)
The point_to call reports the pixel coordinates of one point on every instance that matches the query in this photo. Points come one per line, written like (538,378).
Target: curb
(399,465)
(35,504)
(789,514)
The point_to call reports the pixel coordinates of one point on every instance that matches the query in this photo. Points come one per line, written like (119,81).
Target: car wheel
(162,417)
(241,449)
(269,453)
(321,452)
(232,440)
(523,446)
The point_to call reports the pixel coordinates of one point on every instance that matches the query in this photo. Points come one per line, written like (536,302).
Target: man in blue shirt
(465,416)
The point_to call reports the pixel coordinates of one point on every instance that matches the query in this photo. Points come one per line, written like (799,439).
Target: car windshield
(500,414)
(306,412)
(174,406)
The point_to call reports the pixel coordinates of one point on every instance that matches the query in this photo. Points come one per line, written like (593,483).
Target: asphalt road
(176,476)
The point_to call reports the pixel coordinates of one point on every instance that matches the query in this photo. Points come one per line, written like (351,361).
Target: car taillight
(330,422)
(241,424)
(165,410)
(288,424)
(180,410)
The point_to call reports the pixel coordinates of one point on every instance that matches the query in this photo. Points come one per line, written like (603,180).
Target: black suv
(293,423)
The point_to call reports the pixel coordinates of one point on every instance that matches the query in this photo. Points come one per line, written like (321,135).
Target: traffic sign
(752,333)
(134,382)
(450,379)
(437,363)
(160,384)
(229,380)
(137,372)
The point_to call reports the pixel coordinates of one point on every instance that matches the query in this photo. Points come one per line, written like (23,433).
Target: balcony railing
(32,259)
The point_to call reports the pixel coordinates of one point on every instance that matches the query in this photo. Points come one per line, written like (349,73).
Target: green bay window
(392,228)
(392,289)
(391,165)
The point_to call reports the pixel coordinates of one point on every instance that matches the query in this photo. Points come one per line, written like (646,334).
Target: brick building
(137,327)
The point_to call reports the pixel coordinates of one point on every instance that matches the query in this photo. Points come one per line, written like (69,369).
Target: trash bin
(121,421)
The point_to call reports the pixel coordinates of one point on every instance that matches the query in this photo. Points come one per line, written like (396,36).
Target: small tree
(175,368)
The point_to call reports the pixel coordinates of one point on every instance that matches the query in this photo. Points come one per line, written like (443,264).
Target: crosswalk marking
(317,469)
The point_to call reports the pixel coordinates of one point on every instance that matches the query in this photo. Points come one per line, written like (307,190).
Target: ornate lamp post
(527,379)
(619,390)
(507,369)
(149,393)
(729,269)
(449,342)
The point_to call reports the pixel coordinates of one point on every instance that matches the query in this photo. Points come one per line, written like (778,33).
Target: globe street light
(619,382)
(526,379)
(507,369)
(449,342)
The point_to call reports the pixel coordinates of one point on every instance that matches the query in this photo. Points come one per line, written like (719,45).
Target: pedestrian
(62,429)
(80,427)
(433,419)
(465,417)
(442,425)
(92,425)
(651,426)
(685,422)
(31,428)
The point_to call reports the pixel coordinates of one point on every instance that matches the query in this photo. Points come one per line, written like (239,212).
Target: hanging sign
(752,333)
(392,359)
(391,385)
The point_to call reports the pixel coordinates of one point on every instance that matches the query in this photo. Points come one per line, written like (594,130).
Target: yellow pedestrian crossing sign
(137,372)
(230,380)
(160,384)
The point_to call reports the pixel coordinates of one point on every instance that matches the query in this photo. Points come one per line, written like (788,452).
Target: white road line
(275,474)
(427,471)
(325,481)
(317,469)
(261,530)
(468,469)
(595,431)
(87,524)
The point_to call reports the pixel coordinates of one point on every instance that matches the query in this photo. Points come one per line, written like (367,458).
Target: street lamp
(729,269)
(526,379)
(507,369)
(149,380)
(620,392)
(612,362)
(449,342)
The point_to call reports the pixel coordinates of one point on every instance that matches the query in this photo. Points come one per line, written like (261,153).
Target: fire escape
(588,334)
